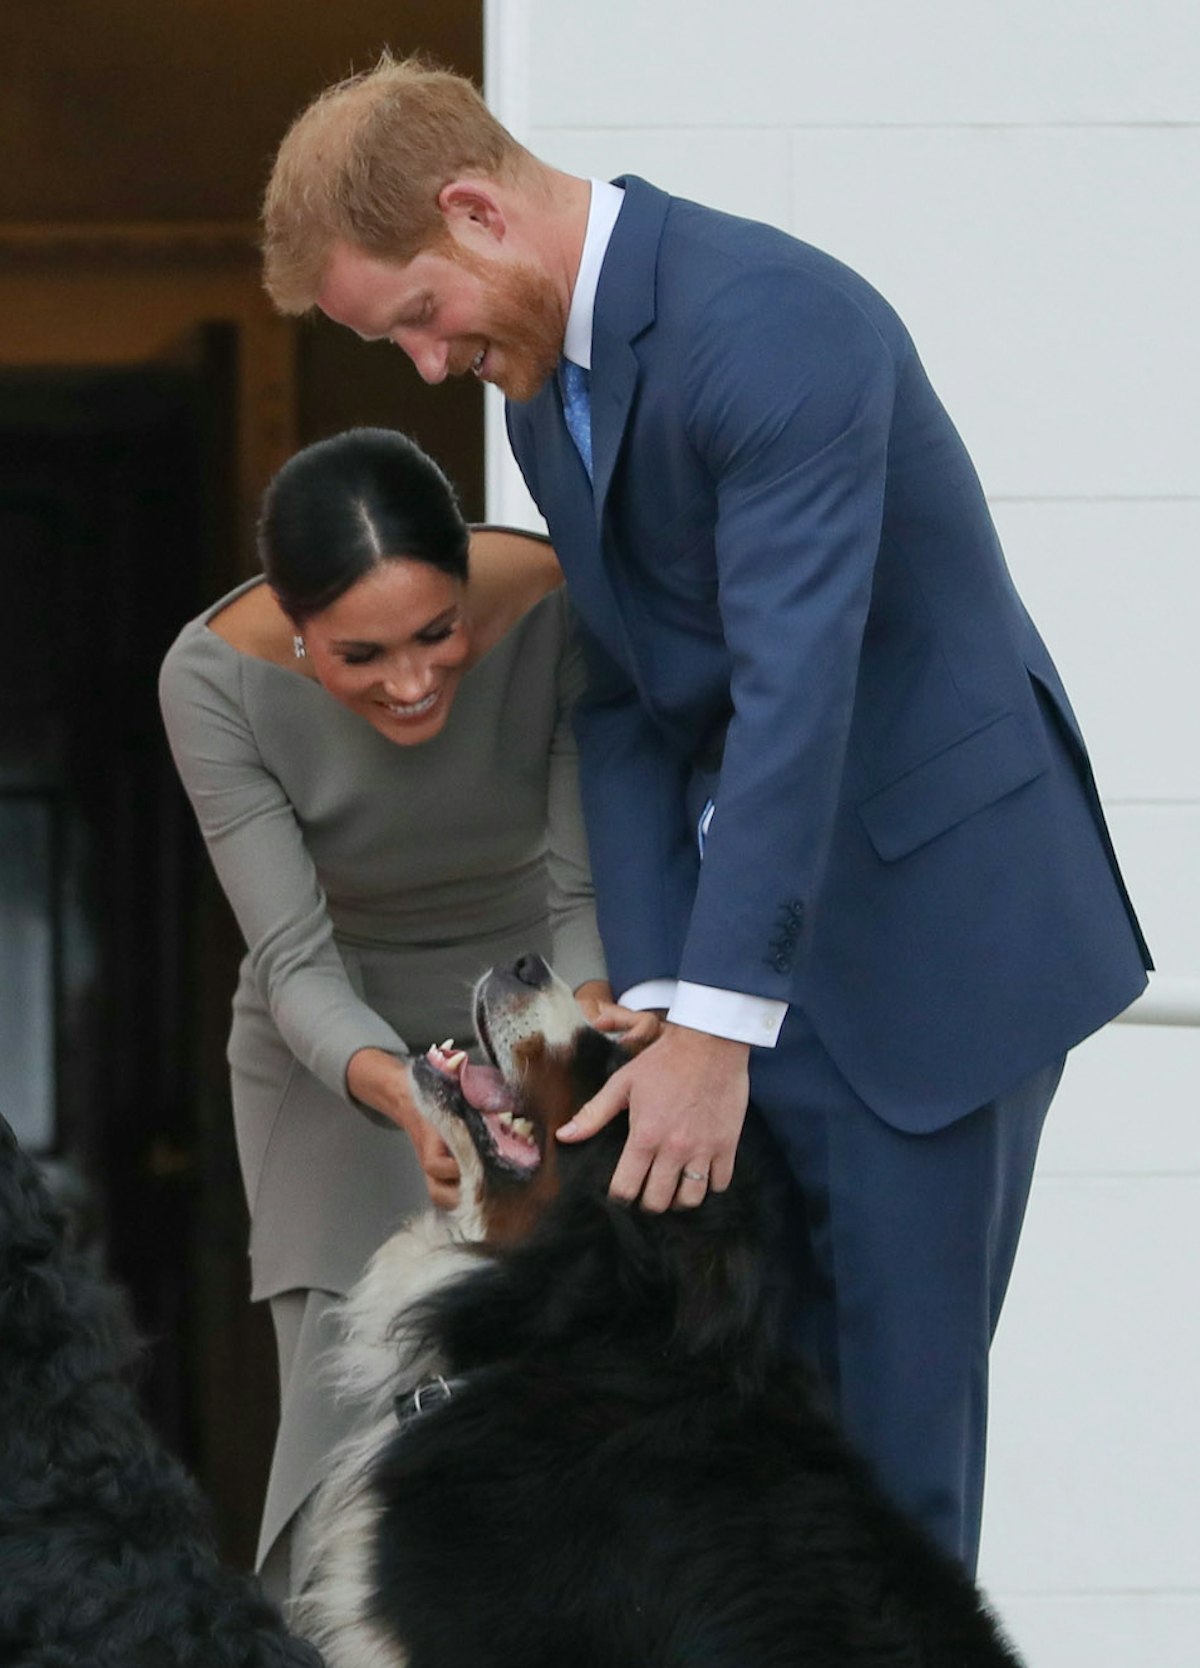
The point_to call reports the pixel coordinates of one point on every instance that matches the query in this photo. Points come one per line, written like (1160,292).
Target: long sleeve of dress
(577,952)
(258,852)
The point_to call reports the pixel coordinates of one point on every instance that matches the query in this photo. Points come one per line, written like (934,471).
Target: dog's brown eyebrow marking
(511,1215)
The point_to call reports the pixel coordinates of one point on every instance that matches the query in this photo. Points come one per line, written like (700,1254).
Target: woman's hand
(380,1080)
(437,1161)
(635,1029)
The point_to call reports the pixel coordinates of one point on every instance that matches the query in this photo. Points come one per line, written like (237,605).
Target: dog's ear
(595,1056)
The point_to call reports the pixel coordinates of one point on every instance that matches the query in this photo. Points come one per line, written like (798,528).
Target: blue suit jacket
(794,598)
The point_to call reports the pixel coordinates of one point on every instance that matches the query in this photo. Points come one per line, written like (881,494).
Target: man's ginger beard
(524,321)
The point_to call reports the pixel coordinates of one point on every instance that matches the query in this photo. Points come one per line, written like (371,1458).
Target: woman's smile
(411,709)
(401,630)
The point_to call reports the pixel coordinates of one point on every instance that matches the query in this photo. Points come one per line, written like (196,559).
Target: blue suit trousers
(900,1248)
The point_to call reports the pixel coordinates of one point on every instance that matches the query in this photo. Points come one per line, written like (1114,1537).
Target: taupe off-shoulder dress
(372,883)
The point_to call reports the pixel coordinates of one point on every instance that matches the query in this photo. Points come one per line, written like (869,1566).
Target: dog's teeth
(506,1119)
(456,1062)
(522,1127)
(447,1045)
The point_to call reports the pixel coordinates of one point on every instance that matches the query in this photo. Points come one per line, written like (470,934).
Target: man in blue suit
(842,822)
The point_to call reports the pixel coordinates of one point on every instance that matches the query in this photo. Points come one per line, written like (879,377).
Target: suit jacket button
(782,964)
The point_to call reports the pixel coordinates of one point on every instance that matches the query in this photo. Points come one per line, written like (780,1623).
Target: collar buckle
(432,1393)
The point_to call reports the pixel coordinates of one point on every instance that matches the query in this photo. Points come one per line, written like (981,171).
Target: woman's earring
(298,648)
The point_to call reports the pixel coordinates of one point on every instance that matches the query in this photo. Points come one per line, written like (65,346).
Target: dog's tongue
(484,1088)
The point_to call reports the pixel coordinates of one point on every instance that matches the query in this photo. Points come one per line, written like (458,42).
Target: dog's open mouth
(488,1107)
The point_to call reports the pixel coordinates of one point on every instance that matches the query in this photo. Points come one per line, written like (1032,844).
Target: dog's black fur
(631,1472)
(106,1558)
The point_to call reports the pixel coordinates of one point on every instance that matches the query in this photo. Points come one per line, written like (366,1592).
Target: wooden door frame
(114,297)
(112,294)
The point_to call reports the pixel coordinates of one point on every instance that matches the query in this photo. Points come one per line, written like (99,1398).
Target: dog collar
(428,1395)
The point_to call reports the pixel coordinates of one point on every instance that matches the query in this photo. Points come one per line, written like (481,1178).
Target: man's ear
(472,210)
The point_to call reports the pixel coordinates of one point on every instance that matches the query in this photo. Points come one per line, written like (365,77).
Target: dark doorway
(116,524)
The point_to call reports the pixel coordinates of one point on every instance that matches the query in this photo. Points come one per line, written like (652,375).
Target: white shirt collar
(602,217)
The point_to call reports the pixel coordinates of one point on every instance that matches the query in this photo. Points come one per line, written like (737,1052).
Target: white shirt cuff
(757,1020)
(651,993)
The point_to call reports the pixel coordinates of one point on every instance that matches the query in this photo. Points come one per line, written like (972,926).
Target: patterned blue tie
(577,408)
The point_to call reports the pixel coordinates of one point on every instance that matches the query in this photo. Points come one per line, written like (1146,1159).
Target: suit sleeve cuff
(756,1020)
(651,993)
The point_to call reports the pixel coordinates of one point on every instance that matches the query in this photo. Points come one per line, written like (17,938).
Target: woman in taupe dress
(379,754)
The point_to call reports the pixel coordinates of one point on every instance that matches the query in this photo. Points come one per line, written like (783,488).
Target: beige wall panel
(1105,1630)
(1115,589)
(743,172)
(1093,1393)
(1126,1106)
(795,62)
(1160,851)
(1049,280)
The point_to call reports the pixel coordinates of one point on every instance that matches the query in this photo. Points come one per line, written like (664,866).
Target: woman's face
(393,648)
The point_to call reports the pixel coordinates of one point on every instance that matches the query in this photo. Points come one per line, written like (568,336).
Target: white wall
(1020,179)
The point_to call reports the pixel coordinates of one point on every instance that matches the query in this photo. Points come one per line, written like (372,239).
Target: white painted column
(1020,180)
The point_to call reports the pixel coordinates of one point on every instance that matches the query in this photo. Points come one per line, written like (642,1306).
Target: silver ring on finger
(694,1175)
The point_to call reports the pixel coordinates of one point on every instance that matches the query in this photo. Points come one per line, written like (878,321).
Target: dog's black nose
(532,971)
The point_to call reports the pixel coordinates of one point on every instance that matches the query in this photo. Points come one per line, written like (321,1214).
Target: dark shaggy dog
(106,1560)
(617,1466)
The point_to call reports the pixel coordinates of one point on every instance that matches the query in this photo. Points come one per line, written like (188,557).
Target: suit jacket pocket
(953,785)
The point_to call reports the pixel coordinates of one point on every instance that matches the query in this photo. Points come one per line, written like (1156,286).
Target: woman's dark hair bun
(340,507)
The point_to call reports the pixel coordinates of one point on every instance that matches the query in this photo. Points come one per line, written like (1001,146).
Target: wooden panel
(133,111)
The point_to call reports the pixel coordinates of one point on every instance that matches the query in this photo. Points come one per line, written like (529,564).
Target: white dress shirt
(722,1013)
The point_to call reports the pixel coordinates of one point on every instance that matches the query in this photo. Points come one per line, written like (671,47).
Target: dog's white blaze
(375,1363)
(551,1012)
(332,1612)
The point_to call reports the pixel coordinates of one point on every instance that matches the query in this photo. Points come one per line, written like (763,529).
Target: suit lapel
(612,402)
(569,511)
(624,309)
(573,510)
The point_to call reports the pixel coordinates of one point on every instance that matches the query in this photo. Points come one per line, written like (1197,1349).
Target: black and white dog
(584,1449)
(106,1559)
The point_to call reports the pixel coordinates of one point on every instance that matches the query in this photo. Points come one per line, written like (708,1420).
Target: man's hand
(687,1097)
(634,1028)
